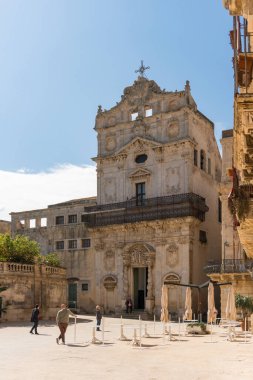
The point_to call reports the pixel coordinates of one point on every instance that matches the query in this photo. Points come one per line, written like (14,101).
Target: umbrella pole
(245,332)
(75,332)
(140,329)
(179,328)
(154,324)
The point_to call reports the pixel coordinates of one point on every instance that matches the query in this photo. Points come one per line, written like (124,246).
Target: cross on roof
(142,69)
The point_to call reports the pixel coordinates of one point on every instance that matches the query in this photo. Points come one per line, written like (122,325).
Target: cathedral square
(163,252)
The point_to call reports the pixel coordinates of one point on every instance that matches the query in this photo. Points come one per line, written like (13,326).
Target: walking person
(62,320)
(35,319)
(98,317)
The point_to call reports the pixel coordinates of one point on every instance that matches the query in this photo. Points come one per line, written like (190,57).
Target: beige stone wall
(29,285)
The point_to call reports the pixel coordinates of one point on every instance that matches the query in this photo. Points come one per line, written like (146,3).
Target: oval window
(141,158)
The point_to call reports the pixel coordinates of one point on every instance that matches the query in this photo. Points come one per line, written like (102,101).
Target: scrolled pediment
(138,144)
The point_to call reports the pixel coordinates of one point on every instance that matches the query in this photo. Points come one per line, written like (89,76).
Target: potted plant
(196,328)
(245,303)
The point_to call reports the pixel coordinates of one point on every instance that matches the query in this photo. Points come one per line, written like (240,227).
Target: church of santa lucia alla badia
(156,219)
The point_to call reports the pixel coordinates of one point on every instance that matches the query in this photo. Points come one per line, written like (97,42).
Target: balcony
(172,206)
(229,266)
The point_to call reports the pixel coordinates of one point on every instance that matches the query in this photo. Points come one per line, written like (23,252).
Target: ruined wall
(29,285)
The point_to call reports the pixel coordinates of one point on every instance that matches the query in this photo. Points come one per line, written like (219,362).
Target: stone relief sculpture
(172,257)
(110,143)
(173,129)
(138,256)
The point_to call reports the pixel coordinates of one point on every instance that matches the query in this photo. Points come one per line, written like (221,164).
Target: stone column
(126,263)
(150,281)
(149,303)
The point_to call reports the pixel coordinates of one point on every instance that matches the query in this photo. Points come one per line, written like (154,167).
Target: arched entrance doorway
(138,262)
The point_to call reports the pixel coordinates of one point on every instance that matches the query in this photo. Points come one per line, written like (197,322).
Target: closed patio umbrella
(164,304)
(230,307)
(188,304)
(212,312)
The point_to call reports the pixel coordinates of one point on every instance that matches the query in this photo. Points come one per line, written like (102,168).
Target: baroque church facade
(156,218)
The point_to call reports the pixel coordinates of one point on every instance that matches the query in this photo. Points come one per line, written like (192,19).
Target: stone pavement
(24,356)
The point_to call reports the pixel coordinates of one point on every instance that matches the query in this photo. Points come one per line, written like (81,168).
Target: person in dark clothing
(129,305)
(35,319)
(98,317)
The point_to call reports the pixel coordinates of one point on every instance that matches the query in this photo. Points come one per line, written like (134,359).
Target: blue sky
(60,59)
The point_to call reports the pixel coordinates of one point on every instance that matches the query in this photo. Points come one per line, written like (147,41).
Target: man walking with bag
(62,320)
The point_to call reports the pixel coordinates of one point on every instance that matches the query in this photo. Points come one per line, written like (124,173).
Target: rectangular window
(202,236)
(59,244)
(43,222)
(148,112)
(134,116)
(209,166)
(140,193)
(72,244)
(85,243)
(32,223)
(85,287)
(219,211)
(72,218)
(59,219)
(195,157)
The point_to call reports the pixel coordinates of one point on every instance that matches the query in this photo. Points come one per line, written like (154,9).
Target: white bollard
(122,336)
(94,339)
(135,341)
(146,334)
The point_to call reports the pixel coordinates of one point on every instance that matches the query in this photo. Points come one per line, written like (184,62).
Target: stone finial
(99,110)
(187,87)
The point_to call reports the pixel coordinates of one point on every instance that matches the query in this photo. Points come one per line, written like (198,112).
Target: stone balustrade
(16,267)
(6,267)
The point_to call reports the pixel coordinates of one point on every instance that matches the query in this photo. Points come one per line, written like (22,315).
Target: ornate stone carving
(173,129)
(110,282)
(159,151)
(109,260)
(138,256)
(172,257)
(110,143)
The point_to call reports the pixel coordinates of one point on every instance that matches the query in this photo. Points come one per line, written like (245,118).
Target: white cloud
(22,190)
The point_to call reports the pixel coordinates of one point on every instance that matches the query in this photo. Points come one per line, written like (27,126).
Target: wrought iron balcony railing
(172,206)
(229,266)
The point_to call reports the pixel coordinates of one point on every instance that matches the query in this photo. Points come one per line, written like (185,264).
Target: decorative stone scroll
(110,282)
